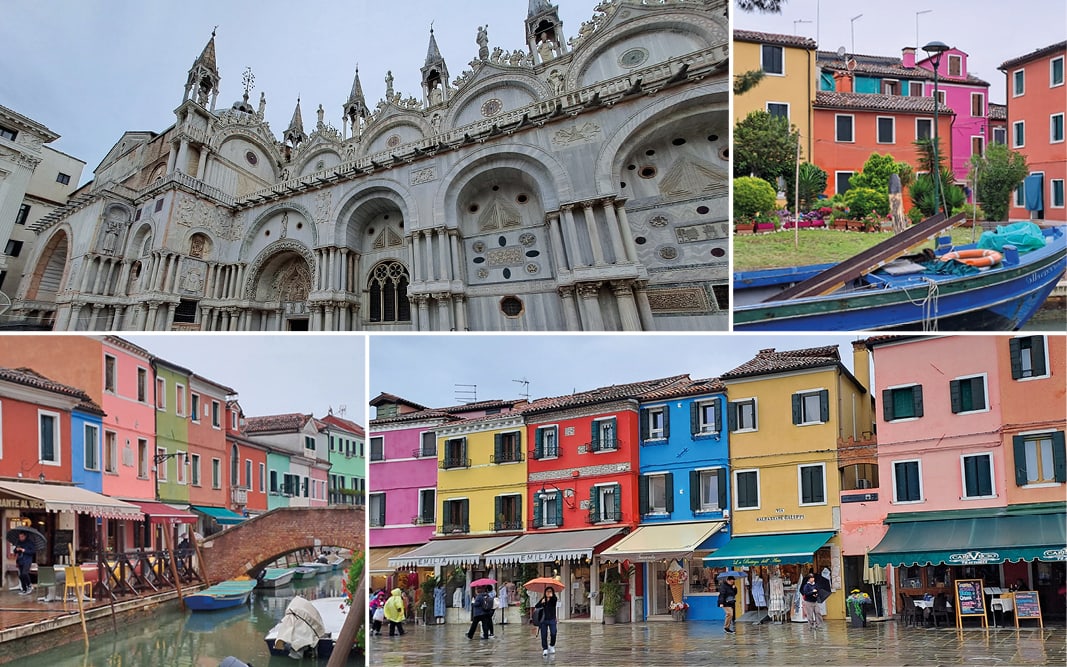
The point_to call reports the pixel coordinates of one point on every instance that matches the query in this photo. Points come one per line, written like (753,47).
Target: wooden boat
(275,577)
(904,294)
(309,628)
(302,572)
(231,593)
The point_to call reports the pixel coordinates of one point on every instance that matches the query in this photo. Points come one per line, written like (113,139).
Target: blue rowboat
(232,593)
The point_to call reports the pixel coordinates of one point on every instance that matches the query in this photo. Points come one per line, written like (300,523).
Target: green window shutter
(917,398)
(985,476)
(978,393)
(1059,457)
(887,405)
(796,409)
(900,478)
(723,498)
(668,486)
(464,517)
(970,476)
(498,509)
(594,438)
(559,509)
(1037,354)
(537,523)
(694,418)
(539,443)
(1015,350)
(731,414)
(954,393)
(666,421)
(718,414)
(518,508)
(642,494)
(694,490)
(644,424)
(618,501)
(1018,443)
(381,511)
(594,503)
(824,405)
(498,447)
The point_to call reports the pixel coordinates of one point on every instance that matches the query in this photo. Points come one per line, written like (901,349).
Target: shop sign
(754,562)
(21,504)
(782,517)
(974,558)
(437,560)
(1055,554)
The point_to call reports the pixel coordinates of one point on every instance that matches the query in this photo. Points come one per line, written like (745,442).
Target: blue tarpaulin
(1025,236)
(1033,192)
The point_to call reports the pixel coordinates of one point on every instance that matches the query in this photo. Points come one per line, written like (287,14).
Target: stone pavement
(705,643)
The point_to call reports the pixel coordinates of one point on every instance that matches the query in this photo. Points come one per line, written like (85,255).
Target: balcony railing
(546,452)
(605,445)
(507,457)
(506,524)
(454,462)
(602,516)
(420,453)
(452,528)
(422,520)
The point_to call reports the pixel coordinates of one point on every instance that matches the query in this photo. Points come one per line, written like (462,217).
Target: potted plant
(611,595)
(766,222)
(679,610)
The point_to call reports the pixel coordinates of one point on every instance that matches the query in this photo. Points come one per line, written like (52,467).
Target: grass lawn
(817,246)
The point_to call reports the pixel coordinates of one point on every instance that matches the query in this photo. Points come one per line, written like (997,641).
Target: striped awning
(462,551)
(59,498)
(560,545)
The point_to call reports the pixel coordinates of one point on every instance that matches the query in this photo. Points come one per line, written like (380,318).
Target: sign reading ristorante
(21,504)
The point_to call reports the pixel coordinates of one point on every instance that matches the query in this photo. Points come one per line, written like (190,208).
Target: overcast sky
(989,31)
(427,369)
(92,69)
(275,374)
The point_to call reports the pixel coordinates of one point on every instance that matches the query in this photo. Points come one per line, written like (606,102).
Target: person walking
(478,613)
(377,613)
(490,609)
(727,600)
(547,605)
(26,554)
(809,592)
(394,613)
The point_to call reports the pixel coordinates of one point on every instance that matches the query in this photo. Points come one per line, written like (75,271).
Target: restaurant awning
(161,513)
(562,545)
(777,549)
(973,540)
(56,498)
(220,514)
(462,551)
(379,558)
(665,540)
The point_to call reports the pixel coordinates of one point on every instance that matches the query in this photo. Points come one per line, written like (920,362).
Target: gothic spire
(433,54)
(538,6)
(207,56)
(202,86)
(356,96)
(295,133)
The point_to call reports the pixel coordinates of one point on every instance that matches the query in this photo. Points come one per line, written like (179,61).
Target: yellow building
(788,413)
(789,84)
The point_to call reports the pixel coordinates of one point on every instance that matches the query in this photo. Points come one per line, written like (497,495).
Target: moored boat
(231,593)
(317,566)
(275,577)
(909,293)
(302,572)
(309,628)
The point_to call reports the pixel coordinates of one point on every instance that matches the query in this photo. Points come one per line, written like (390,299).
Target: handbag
(535,618)
(496,603)
(379,614)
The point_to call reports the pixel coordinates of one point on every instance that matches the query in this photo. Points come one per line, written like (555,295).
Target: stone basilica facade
(578,183)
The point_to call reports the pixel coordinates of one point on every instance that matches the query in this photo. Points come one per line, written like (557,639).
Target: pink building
(129,436)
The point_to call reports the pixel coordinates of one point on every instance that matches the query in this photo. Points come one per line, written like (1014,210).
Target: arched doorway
(280,287)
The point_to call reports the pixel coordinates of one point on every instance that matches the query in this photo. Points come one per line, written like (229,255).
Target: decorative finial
(213,30)
(248,78)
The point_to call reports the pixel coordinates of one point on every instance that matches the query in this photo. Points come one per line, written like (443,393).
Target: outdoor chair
(940,609)
(909,613)
(46,581)
(75,584)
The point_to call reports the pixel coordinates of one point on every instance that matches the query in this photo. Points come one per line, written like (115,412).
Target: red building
(1037,100)
(250,494)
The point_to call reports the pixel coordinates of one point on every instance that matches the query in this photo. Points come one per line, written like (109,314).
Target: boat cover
(1025,236)
(301,626)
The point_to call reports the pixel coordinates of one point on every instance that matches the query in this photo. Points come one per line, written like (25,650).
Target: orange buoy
(974,257)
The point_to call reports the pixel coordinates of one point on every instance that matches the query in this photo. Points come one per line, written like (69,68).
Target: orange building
(1037,100)
(849,127)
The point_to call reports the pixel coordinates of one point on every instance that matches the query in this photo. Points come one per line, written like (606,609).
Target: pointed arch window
(388,286)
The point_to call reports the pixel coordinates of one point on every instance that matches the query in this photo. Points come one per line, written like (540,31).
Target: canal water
(169,637)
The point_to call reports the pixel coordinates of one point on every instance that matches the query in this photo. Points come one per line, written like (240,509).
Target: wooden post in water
(78,592)
(353,622)
(896,204)
(174,567)
(199,556)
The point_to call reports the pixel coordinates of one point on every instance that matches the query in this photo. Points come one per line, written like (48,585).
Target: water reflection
(169,637)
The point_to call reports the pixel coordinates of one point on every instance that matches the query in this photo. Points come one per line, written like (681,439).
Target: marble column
(443,247)
(570,309)
(575,248)
(624,296)
(594,233)
(590,306)
(644,308)
(624,227)
(424,312)
(416,270)
(613,231)
(556,238)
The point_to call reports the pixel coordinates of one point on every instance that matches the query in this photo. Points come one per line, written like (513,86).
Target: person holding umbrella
(547,606)
(727,600)
(25,555)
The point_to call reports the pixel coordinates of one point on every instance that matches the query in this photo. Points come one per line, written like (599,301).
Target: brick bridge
(253,544)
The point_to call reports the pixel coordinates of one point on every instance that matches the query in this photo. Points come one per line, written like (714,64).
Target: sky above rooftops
(989,31)
(431,370)
(90,70)
(274,374)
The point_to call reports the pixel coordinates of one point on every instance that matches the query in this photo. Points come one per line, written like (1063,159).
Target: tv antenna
(342,409)
(525,388)
(466,393)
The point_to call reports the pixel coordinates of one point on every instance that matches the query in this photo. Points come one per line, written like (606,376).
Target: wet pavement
(705,643)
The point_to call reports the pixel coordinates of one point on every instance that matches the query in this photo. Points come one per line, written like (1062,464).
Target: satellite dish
(841,51)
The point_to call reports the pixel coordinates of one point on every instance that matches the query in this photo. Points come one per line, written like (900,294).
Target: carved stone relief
(586,133)
(689,176)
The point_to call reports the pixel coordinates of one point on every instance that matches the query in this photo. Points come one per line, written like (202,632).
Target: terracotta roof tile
(421,415)
(773,38)
(346,424)
(684,388)
(293,421)
(877,102)
(384,398)
(890,66)
(998,111)
(31,378)
(1039,53)
(771,361)
(602,394)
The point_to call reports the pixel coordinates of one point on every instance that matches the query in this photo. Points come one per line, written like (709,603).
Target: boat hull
(333,612)
(276,578)
(1002,299)
(226,595)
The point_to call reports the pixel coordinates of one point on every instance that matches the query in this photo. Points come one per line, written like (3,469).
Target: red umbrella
(484,581)
(539,585)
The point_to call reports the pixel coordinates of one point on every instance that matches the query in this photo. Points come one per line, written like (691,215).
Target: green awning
(220,514)
(777,549)
(975,540)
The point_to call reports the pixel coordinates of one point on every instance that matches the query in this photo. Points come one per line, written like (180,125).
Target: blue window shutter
(1059,457)
(824,405)
(796,409)
(668,485)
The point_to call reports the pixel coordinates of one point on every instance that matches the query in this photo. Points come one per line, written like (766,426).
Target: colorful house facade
(171,459)
(249,497)
(301,437)
(1037,105)
(348,462)
(209,487)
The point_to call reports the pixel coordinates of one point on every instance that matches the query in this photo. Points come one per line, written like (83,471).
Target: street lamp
(543,494)
(162,458)
(934,51)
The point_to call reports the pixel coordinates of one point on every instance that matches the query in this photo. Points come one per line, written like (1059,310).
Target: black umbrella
(39,541)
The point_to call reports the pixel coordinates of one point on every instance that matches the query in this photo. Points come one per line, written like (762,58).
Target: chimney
(842,82)
(907,58)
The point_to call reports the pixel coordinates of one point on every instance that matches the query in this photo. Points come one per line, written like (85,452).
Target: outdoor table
(927,606)
(1004,604)
(89,570)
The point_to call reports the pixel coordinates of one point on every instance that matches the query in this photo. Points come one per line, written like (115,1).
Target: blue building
(683,496)
(87,432)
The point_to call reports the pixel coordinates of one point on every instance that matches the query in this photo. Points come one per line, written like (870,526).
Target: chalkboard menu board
(1027,606)
(60,540)
(969,600)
